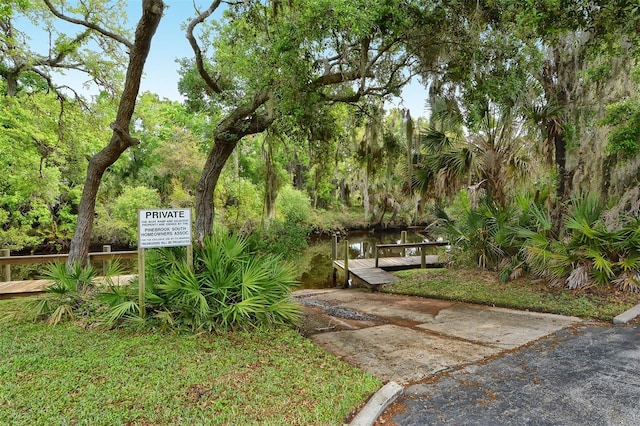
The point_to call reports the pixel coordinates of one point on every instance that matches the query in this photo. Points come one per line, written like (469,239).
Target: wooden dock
(22,288)
(365,272)
(32,287)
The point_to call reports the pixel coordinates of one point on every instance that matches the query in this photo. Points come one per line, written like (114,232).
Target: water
(315,265)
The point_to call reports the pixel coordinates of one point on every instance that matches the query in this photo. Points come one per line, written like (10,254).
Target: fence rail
(6,260)
(422,246)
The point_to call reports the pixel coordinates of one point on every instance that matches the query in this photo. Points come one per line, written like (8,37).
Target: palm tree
(493,158)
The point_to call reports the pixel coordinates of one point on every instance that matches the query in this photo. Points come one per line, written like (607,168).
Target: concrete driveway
(407,339)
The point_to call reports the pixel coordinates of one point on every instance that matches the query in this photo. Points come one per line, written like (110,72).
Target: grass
(71,375)
(475,286)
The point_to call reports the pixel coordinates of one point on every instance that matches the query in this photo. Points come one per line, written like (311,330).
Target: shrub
(293,205)
(72,294)
(473,233)
(590,253)
(238,201)
(286,239)
(495,237)
(230,286)
(118,223)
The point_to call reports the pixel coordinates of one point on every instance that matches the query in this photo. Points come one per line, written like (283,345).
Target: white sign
(164,228)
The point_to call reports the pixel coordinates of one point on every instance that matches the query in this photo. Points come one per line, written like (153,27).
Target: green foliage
(496,237)
(293,205)
(118,222)
(125,207)
(591,253)
(74,294)
(520,238)
(40,158)
(99,58)
(286,239)
(474,234)
(69,296)
(624,117)
(230,287)
(239,201)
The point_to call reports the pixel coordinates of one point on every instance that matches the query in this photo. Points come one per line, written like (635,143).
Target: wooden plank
(46,258)
(374,276)
(423,244)
(407,262)
(366,272)
(28,286)
(36,286)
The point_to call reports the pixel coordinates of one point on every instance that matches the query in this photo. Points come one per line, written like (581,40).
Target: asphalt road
(584,375)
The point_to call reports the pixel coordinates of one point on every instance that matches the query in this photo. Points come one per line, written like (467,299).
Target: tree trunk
(12,84)
(562,189)
(206,186)
(409,136)
(120,139)
(240,122)
(365,194)
(270,180)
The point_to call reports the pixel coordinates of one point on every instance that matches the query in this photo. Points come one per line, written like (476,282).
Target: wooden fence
(6,260)
(422,246)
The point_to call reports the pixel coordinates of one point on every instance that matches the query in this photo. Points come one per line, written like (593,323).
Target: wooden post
(6,269)
(376,255)
(141,283)
(423,260)
(190,256)
(106,264)
(403,240)
(334,247)
(346,263)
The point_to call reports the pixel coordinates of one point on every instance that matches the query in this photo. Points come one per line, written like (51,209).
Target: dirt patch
(320,317)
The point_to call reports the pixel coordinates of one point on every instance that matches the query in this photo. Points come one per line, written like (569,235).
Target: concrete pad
(405,338)
(401,354)
(504,328)
(391,306)
(386,310)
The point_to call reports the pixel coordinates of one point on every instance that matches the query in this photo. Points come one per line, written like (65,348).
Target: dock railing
(422,246)
(6,260)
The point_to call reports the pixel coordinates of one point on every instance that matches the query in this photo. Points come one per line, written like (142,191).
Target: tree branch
(124,135)
(63,54)
(211,83)
(340,77)
(84,23)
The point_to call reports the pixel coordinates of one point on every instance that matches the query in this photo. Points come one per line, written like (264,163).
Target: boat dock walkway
(32,287)
(374,272)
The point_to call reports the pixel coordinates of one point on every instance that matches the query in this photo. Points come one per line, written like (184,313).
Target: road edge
(627,315)
(379,402)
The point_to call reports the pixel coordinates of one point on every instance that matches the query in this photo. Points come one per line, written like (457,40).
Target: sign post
(161,228)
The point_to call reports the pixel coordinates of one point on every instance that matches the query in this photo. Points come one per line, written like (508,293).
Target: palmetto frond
(434,141)
(230,287)
(579,278)
(122,310)
(628,281)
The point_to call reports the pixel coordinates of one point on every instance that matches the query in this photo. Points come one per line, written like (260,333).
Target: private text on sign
(164,228)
